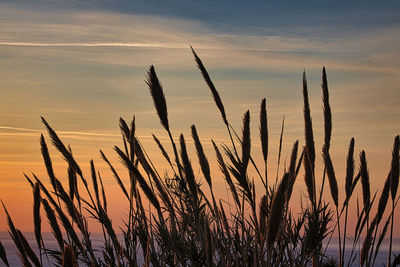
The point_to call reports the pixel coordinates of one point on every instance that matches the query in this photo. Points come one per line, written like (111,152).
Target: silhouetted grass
(185,227)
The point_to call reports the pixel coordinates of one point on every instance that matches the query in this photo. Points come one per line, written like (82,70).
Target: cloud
(74,57)
(366,50)
(87,136)
(140,45)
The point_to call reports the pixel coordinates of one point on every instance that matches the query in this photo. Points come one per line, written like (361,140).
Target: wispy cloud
(17,131)
(67,49)
(61,132)
(141,45)
(364,49)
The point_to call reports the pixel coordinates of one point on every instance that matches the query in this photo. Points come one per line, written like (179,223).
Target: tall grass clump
(176,220)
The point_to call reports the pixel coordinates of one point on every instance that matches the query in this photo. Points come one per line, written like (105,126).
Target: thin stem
(233,143)
(366,233)
(391,237)
(251,159)
(178,163)
(344,234)
(340,243)
(322,188)
(266,179)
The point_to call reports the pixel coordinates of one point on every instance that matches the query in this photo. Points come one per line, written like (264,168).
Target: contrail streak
(61,132)
(76,134)
(115,44)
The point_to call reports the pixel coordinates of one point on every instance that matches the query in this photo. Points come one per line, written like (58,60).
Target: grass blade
(161,147)
(309,136)
(55,228)
(61,147)
(3,255)
(29,251)
(264,136)
(16,238)
(292,170)
(157,93)
(277,208)
(365,180)
(394,180)
(349,169)
(116,176)
(210,84)
(205,167)
(95,184)
(280,149)
(327,110)
(47,160)
(331,176)
(309,153)
(246,144)
(36,216)
(187,167)
(142,182)
(68,257)
(227,176)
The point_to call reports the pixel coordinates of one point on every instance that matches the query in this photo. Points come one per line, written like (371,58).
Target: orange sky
(82,75)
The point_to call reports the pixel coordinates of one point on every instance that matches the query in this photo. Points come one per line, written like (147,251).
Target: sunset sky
(82,65)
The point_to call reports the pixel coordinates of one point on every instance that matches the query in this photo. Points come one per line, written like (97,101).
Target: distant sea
(381,258)
(332,250)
